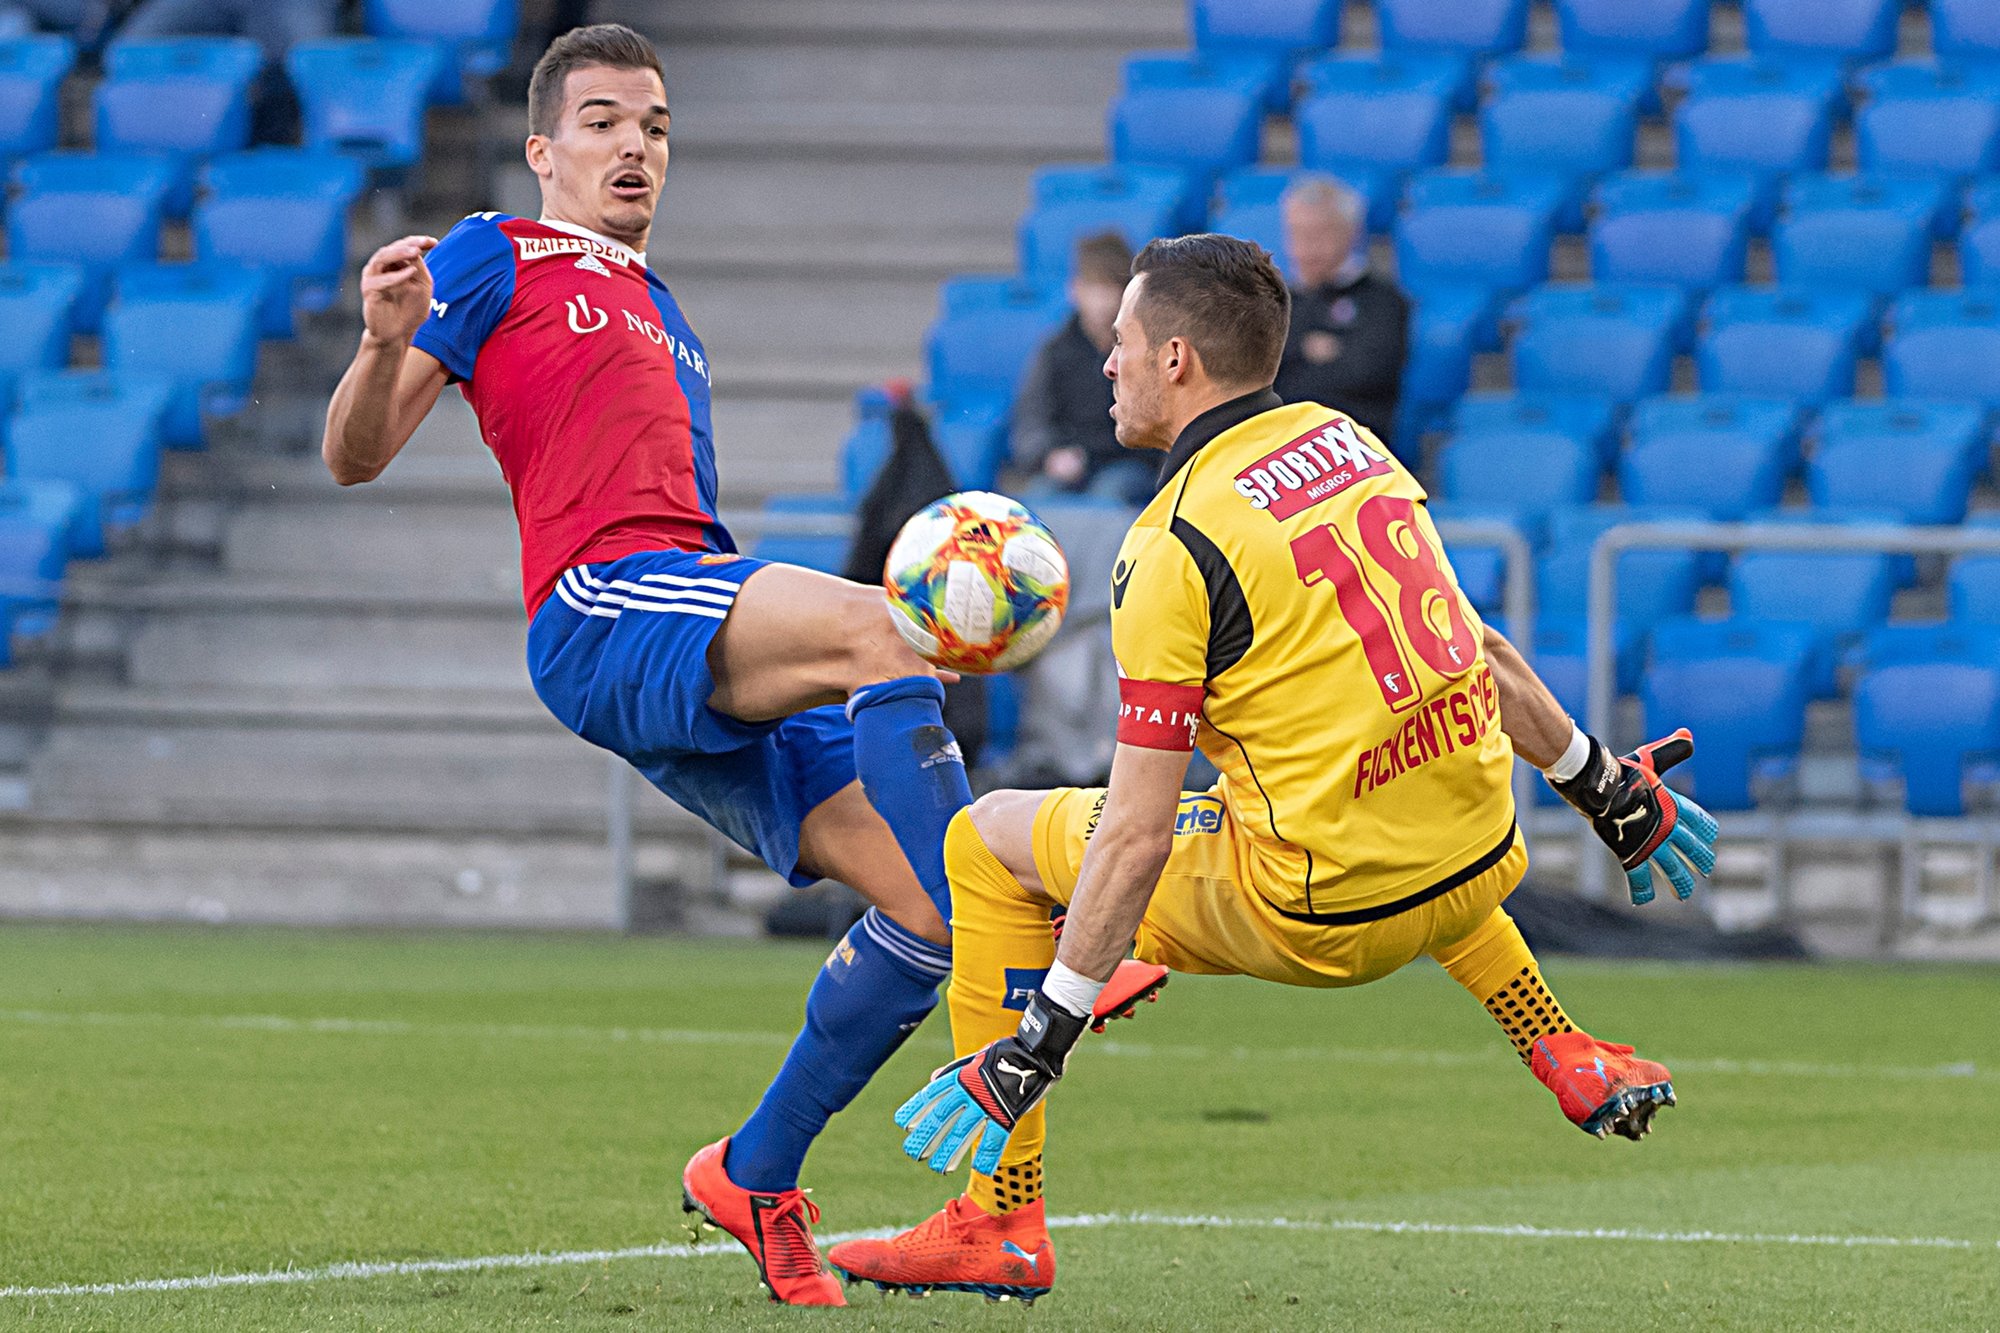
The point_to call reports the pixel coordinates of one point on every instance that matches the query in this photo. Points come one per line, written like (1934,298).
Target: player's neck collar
(632,257)
(1221,417)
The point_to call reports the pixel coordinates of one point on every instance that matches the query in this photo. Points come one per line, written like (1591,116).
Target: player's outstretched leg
(912,771)
(1603,1088)
(991,1241)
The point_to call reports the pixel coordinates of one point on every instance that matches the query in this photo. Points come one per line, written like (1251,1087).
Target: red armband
(1158,717)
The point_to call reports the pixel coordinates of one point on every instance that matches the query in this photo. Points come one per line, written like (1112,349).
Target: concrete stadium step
(409,779)
(214,876)
(358,708)
(866,321)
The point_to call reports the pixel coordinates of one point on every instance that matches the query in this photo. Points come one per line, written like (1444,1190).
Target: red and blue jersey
(590,388)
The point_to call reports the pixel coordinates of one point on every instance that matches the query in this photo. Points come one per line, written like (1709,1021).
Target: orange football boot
(776,1228)
(1602,1087)
(962,1248)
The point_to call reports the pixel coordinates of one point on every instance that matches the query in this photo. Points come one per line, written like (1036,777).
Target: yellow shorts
(1202,920)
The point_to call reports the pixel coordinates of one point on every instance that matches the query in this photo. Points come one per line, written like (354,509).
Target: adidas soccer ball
(976,583)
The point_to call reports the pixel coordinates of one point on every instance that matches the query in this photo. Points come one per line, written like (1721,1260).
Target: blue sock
(874,990)
(912,771)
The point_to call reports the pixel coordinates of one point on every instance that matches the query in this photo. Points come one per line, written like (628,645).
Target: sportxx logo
(584,317)
(1324,461)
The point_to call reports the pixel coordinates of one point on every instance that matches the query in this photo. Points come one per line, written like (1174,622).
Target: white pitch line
(1495,1058)
(274,1277)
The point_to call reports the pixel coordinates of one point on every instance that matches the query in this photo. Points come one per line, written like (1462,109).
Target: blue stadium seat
(1938,133)
(478,36)
(1864,235)
(1466,228)
(1761,119)
(1267,74)
(196,324)
(1944,345)
(1624,77)
(1840,595)
(1965,30)
(1275,25)
(1615,340)
(1375,129)
(1902,565)
(1478,27)
(1973,587)
(1653,584)
(1923,480)
(1926,720)
(1446,328)
(365,96)
(38,521)
(1726,454)
(1800,342)
(1979,243)
(867,446)
(206,80)
(971,434)
(1446,72)
(31,72)
(37,315)
(1205,130)
(1587,417)
(1913,459)
(825,553)
(282,214)
(1687,231)
(121,417)
(979,355)
(97,209)
(1572,132)
(1931,641)
(1071,202)
(1523,470)
(1662,29)
(1741,687)
(1824,30)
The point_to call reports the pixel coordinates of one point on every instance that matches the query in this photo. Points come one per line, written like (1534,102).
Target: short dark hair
(1104,257)
(612,45)
(1224,296)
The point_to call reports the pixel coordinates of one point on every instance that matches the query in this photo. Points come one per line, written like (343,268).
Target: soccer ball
(976,583)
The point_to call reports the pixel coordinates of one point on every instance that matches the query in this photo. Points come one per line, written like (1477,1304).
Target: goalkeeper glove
(1640,819)
(986,1093)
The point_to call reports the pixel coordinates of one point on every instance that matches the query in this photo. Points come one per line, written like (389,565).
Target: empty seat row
(279,213)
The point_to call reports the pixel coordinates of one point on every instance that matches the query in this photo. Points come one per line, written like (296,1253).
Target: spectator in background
(1350,326)
(1063,435)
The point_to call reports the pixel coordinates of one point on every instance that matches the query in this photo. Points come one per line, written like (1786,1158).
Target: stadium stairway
(295,703)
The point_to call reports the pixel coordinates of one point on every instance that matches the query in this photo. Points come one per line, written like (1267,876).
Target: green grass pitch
(180,1103)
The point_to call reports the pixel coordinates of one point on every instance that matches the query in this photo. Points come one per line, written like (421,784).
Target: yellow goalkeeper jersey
(1285,604)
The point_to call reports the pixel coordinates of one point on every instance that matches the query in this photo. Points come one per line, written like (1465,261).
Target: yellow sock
(1000,947)
(1494,963)
(1011,1186)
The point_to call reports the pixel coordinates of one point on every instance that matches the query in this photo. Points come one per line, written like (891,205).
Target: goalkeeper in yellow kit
(1285,605)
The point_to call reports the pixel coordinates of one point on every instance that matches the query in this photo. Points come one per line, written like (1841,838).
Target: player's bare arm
(1534,721)
(390,386)
(1123,865)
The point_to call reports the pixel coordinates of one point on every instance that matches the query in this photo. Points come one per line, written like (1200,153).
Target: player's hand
(1643,821)
(396,289)
(985,1094)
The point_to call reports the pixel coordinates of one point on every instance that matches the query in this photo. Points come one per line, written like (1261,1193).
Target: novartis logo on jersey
(548,247)
(585,318)
(1322,462)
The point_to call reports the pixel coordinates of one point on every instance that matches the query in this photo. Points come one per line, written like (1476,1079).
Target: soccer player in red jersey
(777,703)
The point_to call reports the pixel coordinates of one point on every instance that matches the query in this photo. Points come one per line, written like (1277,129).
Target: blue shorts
(620,655)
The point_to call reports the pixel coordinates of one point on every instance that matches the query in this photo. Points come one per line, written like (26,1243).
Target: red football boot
(775,1228)
(1602,1087)
(1132,984)
(962,1248)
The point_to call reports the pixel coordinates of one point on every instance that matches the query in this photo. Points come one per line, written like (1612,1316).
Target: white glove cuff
(1071,990)
(1572,760)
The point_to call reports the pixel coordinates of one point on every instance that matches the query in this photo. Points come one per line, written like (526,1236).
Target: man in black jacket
(1063,436)
(1350,326)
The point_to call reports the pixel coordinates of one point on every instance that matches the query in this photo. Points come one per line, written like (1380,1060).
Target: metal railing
(1517,605)
(1601,659)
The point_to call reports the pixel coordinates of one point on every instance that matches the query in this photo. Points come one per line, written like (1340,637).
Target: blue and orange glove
(985,1094)
(1643,821)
